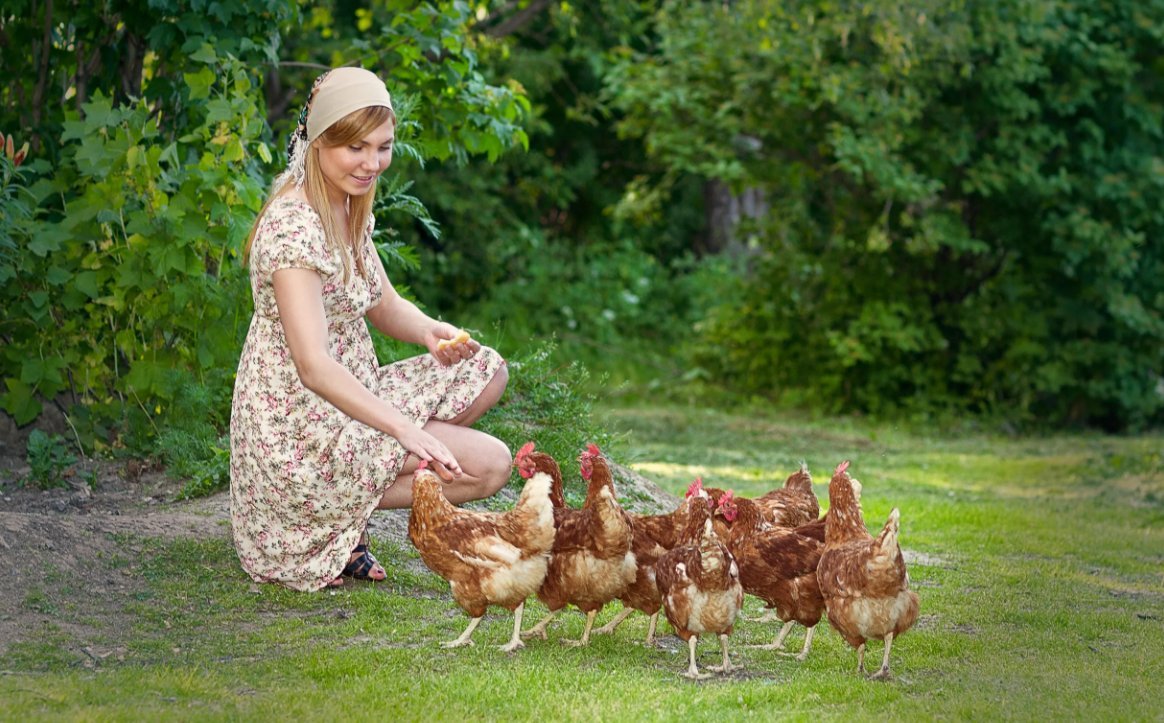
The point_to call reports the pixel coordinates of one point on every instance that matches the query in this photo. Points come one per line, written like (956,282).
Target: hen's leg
(515,641)
(466,637)
(861,659)
(614,622)
(727,663)
(884,673)
(777,644)
(540,629)
(585,632)
(692,670)
(807,645)
(651,629)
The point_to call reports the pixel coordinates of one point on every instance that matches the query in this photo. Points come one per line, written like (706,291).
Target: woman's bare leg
(485,462)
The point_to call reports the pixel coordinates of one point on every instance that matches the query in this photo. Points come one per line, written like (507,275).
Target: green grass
(1039,562)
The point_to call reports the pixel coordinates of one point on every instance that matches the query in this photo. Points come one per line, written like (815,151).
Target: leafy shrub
(190,433)
(546,402)
(130,261)
(48,457)
(611,306)
(957,220)
(202,463)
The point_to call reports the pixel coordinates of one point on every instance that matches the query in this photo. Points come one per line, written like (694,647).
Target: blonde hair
(342,240)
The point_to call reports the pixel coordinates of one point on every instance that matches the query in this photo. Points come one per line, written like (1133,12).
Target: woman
(320,434)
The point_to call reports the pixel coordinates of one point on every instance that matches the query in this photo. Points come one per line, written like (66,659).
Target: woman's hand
(443,343)
(429,448)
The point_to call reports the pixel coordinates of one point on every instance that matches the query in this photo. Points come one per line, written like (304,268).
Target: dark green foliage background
(965,199)
(961,202)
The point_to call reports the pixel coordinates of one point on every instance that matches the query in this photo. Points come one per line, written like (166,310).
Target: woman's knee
(498,467)
(500,380)
(493,390)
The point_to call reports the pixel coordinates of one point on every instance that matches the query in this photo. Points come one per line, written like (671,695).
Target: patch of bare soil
(68,557)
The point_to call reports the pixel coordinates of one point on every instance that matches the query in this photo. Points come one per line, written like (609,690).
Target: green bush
(48,458)
(959,218)
(132,258)
(549,404)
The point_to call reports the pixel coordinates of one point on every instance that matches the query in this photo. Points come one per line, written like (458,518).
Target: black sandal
(361,567)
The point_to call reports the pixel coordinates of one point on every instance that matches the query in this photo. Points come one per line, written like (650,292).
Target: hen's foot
(614,622)
(768,646)
(466,638)
(695,675)
(585,632)
(511,646)
(882,674)
(539,630)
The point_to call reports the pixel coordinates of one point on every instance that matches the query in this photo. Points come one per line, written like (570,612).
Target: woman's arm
(299,296)
(400,319)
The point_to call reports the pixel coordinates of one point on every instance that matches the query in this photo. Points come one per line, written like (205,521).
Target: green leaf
(199,83)
(86,283)
(57,275)
(233,153)
(219,110)
(48,240)
(20,402)
(32,371)
(147,379)
(205,54)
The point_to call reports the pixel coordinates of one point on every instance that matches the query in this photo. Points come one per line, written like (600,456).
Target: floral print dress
(305,477)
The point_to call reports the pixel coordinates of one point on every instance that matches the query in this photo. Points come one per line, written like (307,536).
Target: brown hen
(591,562)
(792,505)
(863,578)
(699,582)
(777,565)
(786,507)
(654,535)
(489,558)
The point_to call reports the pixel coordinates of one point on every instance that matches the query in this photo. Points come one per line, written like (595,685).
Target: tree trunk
(725,212)
(132,60)
(42,74)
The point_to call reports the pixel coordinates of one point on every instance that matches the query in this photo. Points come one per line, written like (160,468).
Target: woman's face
(352,169)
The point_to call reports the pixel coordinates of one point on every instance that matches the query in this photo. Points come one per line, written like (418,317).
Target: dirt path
(61,546)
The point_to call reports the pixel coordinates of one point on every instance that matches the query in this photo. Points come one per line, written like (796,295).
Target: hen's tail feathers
(888,537)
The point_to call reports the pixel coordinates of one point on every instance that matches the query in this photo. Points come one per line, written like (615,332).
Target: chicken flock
(693,564)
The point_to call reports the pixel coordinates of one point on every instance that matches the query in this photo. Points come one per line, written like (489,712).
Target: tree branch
(42,74)
(497,28)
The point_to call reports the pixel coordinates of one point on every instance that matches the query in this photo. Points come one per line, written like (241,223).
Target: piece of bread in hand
(461,337)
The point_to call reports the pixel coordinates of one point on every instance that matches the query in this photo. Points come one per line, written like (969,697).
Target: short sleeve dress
(305,477)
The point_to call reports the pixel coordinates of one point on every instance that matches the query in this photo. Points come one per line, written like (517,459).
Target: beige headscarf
(334,95)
